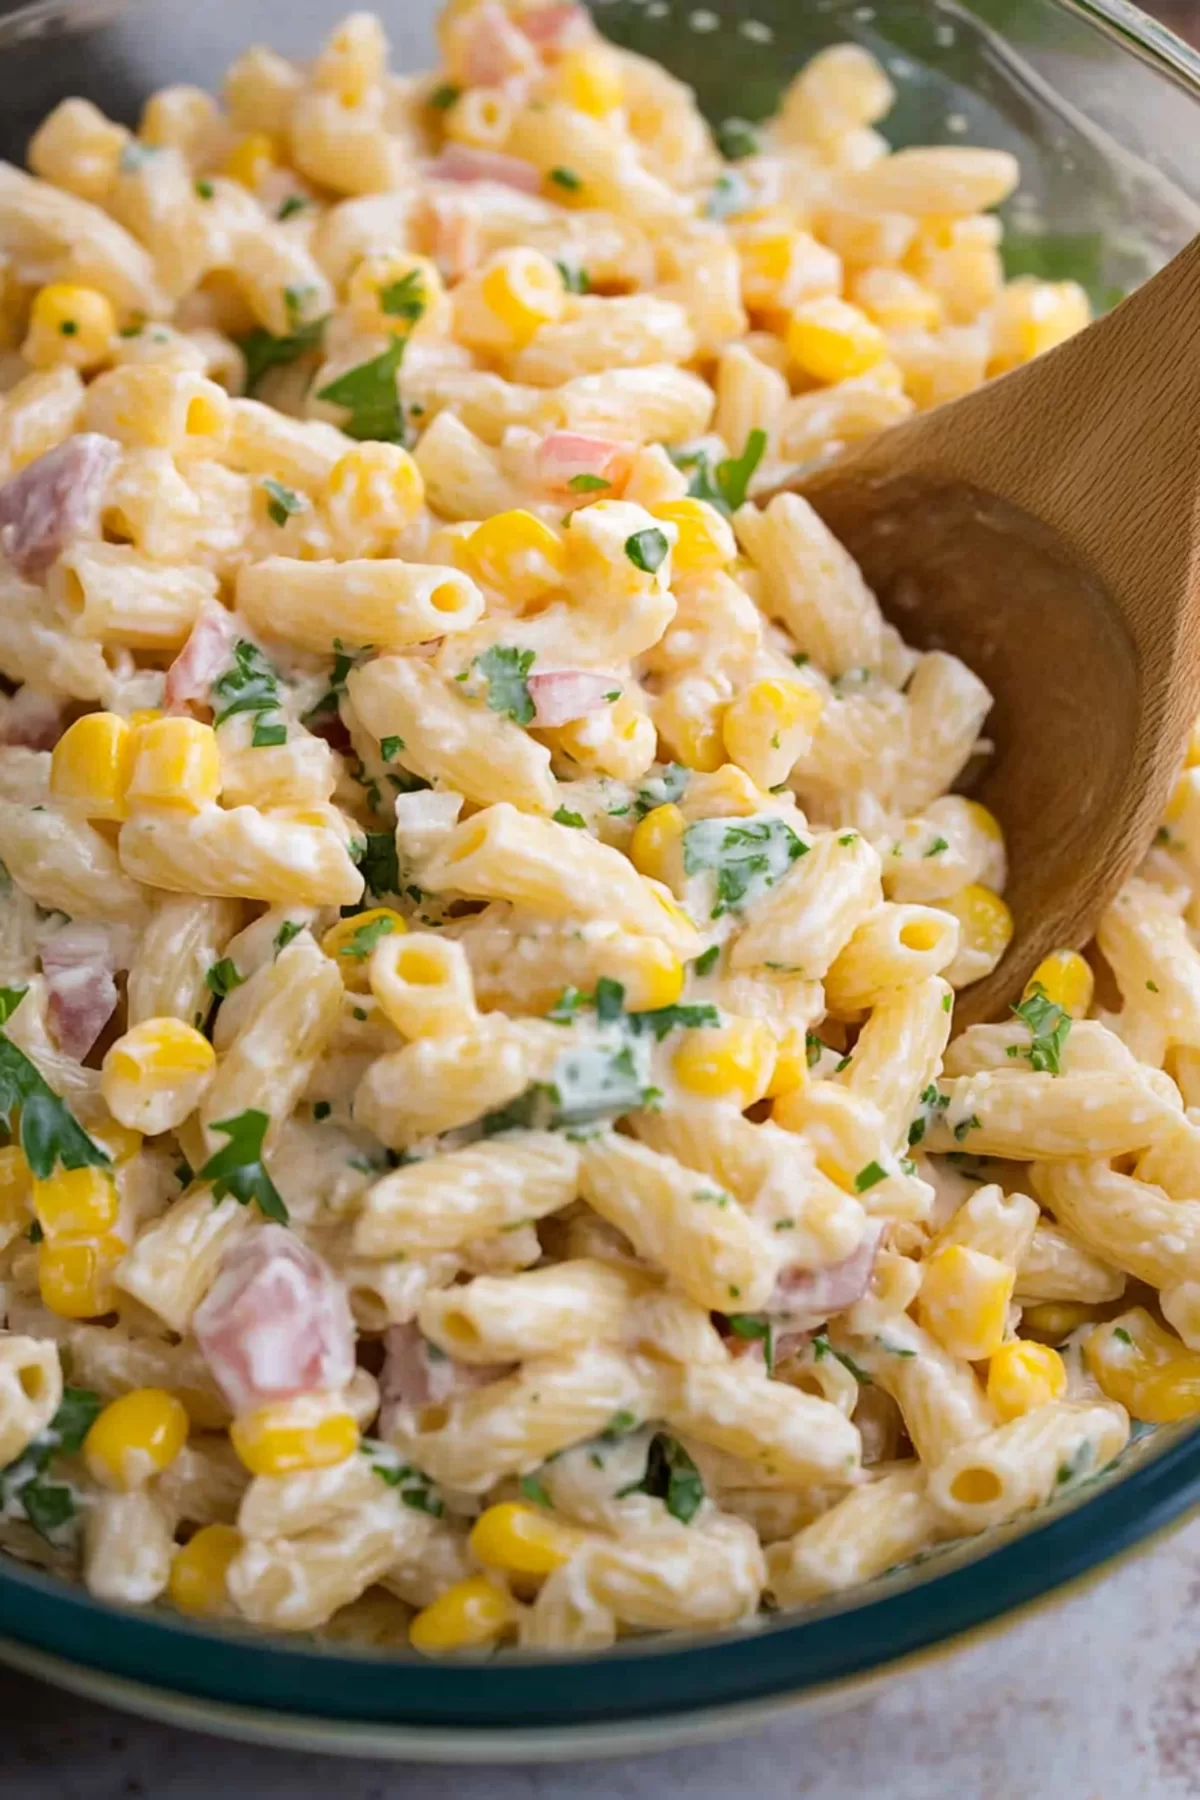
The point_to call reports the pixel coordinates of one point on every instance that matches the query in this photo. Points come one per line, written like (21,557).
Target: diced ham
(31,719)
(804,1298)
(81,994)
(494,50)
(463,163)
(452,231)
(207,652)
(561,695)
(55,499)
(556,28)
(275,1323)
(564,455)
(416,1373)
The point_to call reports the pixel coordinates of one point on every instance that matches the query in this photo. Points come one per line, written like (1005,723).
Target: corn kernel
(516,553)
(69,325)
(279,1439)
(1054,1320)
(520,1540)
(656,847)
(768,726)
(135,1438)
(781,267)
(589,81)
(1032,316)
(393,291)
(1021,1375)
(176,763)
(351,941)
(91,764)
(76,1202)
(1147,1369)
(964,1300)
(252,159)
(655,980)
(374,491)
(986,923)
(466,1616)
(831,340)
(734,1061)
(688,717)
(16,1192)
(705,541)
(1066,980)
(524,290)
(156,1074)
(75,1275)
(119,1142)
(791,1063)
(896,301)
(197,1582)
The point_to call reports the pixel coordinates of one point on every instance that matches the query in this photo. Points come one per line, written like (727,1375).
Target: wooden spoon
(1045,529)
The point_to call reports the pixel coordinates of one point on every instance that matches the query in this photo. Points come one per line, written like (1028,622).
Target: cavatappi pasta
(484,898)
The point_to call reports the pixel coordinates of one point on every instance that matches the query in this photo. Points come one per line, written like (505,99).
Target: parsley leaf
(747,857)
(369,393)
(289,207)
(662,790)
(283,502)
(287,931)
(672,1018)
(647,550)
(574,278)
(76,1414)
(755,1327)
(567,1006)
(204,189)
(380,863)
(565,178)
(263,350)
(869,1177)
(444,96)
(533,1490)
(736,138)
(619,1426)
(223,977)
(239,1170)
(728,195)
(49,1506)
(404,299)
(504,667)
(360,945)
(390,748)
(565,817)
(671,1476)
(735,473)
(49,1132)
(822,1347)
(935,849)
(587,484)
(1049,1028)
(706,962)
(252,686)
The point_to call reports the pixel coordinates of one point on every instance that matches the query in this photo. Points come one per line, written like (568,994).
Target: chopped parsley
(361,943)
(48,1131)
(390,748)
(747,856)
(282,503)
(756,1328)
(736,138)
(287,931)
(50,1505)
(647,550)
(1049,1028)
(504,668)
(619,1426)
(204,190)
(711,1197)
(671,1476)
(444,96)
(404,299)
(707,962)
(289,207)
(1077,1464)
(380,864)
(566,179)
(938,845)
(415,1488)
(223,977)
(343,662)
(662,790)
(321,1110)
(1120,1333)
(263,350)
(813,1048)
(370,395)
(932,1103)
(587,484)
(239,1169)
(869,1177)
(532,1489)
(964,1127)
(574,277)
(822,1348)
(728,195)
(250,686)
(564,817)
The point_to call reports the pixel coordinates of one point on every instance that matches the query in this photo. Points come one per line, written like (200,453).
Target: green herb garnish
(239,1169)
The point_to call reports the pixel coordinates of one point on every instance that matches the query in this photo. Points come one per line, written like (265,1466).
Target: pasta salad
(484,895)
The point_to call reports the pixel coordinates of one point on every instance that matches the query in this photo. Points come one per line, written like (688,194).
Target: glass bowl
(1102,107)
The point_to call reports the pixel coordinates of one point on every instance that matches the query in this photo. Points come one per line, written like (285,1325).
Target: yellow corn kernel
(466,1616)
(1144,1367)
(90,766)
(351,941)
(279,1439)
(728,793)
(523,289)
(374,490)
(69,325)
(176,763)
(1023,1374)
(156,1074)
(1066,980)
(655,977)
(135,1438)
(964,1300)
(768,726)
(1031,316)
(589,81)
(197,1582)
(1053,1320)
(688,717)
(16,1191)
(987,924)
(385,291)
(521,1541)
(252,158)
(705,539)
(791,1063)
(516,553)
(896,301)
(734,1061)
(75,1275)
(76,1202)
(831,340)
(656,847)
(120,1142)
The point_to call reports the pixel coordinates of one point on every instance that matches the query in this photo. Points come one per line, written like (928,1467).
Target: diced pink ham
(53,500)
(556,28)
(494,50)
(805,1298)
(565,455)
(206,654)
(451,224)
(81,995)
(275,1323)
(31,719)
(416,1373)
(561,695)
(461,162)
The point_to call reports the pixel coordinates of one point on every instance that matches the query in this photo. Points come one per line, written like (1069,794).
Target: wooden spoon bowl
(1046,529)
